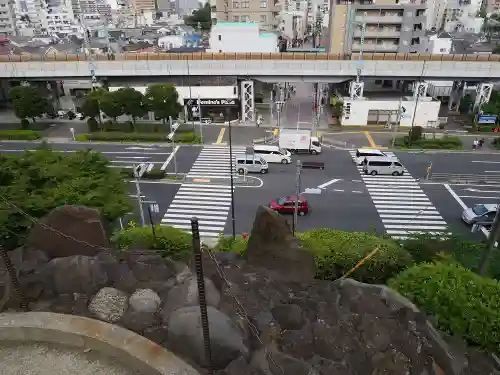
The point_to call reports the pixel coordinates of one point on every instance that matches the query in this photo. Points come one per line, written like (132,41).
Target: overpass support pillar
(356,89)
(483,95)
(420,89)
(247,101)
(456,95)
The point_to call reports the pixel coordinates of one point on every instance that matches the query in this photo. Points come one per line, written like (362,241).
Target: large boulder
(185,336)
(74,274)
(109,305)
(83,229)
(186,294)
(273,246)
(145,301)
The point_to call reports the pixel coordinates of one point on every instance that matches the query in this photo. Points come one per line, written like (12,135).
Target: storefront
(212,110)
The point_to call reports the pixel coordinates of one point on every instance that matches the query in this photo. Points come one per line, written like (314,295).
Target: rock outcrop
(78,222)
(272,246)
(267,315)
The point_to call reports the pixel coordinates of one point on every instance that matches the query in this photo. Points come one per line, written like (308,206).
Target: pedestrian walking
(481,142)
(474,144)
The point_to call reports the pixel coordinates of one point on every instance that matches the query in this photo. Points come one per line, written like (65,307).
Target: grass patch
(22,135)
(444,143)
(186,137)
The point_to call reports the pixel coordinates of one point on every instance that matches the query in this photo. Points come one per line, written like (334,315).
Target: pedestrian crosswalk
(402,205)
(213,162)
(209,203)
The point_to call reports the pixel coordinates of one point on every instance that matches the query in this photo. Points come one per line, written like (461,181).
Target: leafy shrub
(237,245)
(126,137)
(187,137)
(446,143)
(82,137)
(425,248)
(92,125)
(487,128)
(496,143)
(463,303)
(337,252)
(25,124)
(23,135)
(154,174)
(171,242)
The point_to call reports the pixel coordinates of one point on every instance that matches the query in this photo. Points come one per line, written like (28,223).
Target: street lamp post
(233,222)
(138,172)
(171,136)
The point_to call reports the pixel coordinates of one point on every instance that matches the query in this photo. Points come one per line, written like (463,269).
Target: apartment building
(264,12)
(7,18)
(386,25)
(143,5)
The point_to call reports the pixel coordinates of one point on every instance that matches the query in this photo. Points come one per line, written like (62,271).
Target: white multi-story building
(241,37)
(454,15)
(294,19)
(7,18)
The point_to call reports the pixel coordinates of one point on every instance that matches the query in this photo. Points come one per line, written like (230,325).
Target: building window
(263,18)
(236,4)
(244,18)
(442,50)
(220,37)
(245,4)
(263,3)
(236,18)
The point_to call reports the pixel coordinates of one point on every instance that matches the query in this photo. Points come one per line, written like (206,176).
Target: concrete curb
(129,348)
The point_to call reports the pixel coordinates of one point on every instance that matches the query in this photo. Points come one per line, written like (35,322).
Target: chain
(240,310)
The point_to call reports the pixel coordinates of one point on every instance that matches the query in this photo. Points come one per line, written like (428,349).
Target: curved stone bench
(109,340)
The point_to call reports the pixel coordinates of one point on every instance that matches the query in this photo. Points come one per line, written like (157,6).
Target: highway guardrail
(465,178)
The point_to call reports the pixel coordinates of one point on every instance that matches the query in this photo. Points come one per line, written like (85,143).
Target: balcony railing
(375,47)
(379,19)
(378,33)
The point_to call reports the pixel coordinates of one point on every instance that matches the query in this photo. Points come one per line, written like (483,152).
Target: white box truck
(299,141)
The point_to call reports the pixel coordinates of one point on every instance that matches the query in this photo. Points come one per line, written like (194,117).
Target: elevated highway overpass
(314,67)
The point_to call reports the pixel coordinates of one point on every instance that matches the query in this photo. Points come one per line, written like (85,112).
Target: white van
(273,154)
(382,165)
(362,153)
(252,164)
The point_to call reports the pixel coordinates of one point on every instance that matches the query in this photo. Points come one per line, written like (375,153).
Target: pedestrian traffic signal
(276,132)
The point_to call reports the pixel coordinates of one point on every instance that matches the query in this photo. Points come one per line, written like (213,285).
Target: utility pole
(492,240)
(416,103)
(171,136)
(138,171)
(231,161)
(297,193)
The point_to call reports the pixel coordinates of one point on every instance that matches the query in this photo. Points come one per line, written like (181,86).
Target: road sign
(154,208)
(206,120)
(140,169)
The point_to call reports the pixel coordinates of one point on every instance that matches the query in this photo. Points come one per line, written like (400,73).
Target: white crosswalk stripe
(209,203)
(402,205)
(213,162)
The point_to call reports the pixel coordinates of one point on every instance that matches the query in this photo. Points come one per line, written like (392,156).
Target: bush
(426,248)
(496,143)
(171,242)
(126,137)
(445,143)
(154,174)
(187,137)
(237,245)
(22,135)
(25,124)
(92,125)
(487,128)
(337,252)
(462,302)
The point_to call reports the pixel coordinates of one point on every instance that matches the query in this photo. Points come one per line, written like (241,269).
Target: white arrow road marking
(328,183)
(139,148)
(485,162)
(476,197)
(482,191)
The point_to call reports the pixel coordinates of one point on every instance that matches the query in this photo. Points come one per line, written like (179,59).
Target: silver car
(480,213)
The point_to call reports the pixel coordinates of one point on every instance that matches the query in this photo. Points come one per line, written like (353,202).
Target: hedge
(462,302)
(154,174)
(446,143)
(21,135)
(496,143)
(237,245)
(182,137)
(171,242)
(426,248)
(336,252)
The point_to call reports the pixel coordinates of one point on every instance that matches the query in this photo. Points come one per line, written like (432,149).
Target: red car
(286,205)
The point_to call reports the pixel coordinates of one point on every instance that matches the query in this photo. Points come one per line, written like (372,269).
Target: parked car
(480,213)
(286,205)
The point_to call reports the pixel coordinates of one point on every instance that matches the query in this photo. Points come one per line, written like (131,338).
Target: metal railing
(465,178)
(154,56)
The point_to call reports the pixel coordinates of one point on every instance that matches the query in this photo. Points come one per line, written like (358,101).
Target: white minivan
(382,165)
(251,164)
(273,154)
(362,153)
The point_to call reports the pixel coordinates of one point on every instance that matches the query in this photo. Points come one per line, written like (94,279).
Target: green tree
(91,105)
(33,184)
(201,18)
(163,100)
(466,104)
(133,103)
(111,104)
(28,102)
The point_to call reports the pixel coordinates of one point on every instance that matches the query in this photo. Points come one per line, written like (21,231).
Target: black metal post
(201,294)
(416,104)
(13,278)
(231,161)
(151,222)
